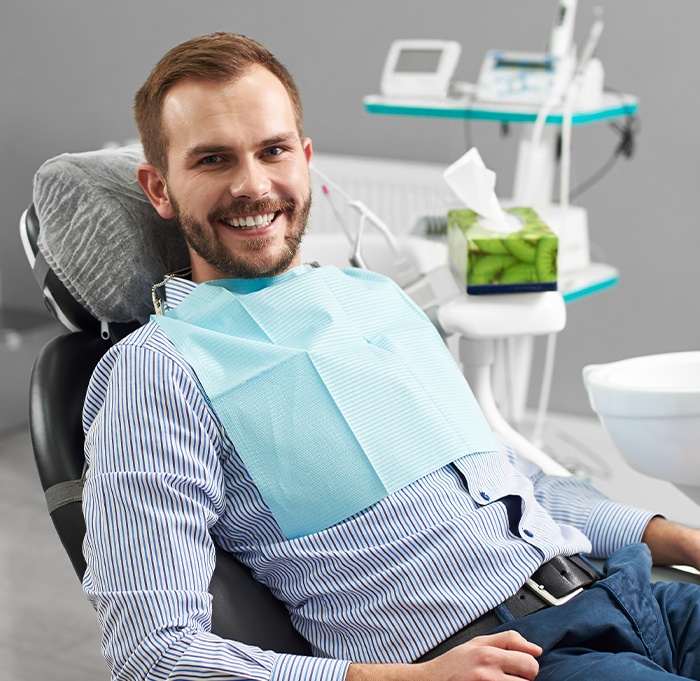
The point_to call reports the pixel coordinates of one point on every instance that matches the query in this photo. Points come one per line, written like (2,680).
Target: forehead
(256,104)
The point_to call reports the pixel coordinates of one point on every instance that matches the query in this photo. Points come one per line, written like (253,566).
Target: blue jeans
(622,629)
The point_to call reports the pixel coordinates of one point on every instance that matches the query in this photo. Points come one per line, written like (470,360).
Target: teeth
(249,222)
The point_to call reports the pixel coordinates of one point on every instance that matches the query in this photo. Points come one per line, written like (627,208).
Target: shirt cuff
(612,525)
(301,668)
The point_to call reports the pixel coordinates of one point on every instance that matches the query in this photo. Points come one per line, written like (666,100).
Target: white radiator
(398,192)
(402,192)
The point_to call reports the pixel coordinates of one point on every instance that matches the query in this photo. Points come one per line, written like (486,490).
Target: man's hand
(499,656)
(506,655)
(672,544)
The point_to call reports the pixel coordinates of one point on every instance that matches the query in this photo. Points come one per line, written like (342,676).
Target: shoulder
(148,344)
(142,364)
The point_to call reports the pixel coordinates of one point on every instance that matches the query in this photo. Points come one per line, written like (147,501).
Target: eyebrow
(276,139)
(222,148)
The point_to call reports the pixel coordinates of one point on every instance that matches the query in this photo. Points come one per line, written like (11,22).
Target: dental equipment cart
(536,154)
(537,157)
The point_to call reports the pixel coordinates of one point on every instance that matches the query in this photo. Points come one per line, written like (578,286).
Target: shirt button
(485,496)
(527,533)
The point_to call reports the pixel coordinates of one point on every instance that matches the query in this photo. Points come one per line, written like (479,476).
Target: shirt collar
(176,290)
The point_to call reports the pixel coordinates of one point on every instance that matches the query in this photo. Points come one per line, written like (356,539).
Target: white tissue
(475,185)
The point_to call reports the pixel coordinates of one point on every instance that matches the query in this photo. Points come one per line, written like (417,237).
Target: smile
(250,221)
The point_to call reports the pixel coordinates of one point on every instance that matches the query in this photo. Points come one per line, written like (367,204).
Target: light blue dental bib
(334,388)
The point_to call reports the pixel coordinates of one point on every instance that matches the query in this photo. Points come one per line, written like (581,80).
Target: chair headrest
(101,236)
(58,299)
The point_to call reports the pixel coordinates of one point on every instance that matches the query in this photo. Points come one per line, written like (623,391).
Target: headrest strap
(64,493)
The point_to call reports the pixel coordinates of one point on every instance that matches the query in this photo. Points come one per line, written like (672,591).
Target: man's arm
(610,524)
(671,543)
(154,489)
(506,655)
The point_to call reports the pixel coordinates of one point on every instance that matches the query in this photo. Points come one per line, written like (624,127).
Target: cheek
(298,183)
(201,196)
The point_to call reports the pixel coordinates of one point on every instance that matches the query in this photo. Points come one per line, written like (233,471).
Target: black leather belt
(555,582)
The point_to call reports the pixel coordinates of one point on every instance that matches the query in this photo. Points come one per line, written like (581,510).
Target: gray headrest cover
(100,234)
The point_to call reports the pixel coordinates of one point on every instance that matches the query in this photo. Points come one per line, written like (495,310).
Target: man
(384,573)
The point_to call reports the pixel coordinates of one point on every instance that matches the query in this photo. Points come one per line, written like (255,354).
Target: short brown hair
(216,58)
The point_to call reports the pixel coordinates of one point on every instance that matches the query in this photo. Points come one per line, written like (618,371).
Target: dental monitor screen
(418,61)
(419,68)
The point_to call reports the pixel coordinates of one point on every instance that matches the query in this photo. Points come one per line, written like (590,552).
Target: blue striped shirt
(386,585)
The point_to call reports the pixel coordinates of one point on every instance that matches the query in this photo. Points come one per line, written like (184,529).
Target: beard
(245,265)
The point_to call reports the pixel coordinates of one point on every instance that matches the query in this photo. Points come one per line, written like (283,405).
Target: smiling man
(384,513)
(235,173)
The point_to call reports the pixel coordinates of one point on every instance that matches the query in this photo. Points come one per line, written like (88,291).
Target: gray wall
(68,71)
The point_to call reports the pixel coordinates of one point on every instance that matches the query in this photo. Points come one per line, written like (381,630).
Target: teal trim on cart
(580,118)
(590,290)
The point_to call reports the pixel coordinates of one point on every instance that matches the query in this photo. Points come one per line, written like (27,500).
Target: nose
(250,180)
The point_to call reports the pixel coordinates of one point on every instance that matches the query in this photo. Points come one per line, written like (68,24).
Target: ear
(308,149)
(154,186)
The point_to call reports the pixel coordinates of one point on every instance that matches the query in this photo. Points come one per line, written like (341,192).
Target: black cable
(595,178)
(625,147)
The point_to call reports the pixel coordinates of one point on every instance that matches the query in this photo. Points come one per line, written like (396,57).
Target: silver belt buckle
(542,592)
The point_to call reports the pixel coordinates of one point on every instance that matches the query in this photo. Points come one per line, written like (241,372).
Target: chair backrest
(242,608)
(57,388)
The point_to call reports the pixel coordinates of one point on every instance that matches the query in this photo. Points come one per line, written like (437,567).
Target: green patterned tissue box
(494,262)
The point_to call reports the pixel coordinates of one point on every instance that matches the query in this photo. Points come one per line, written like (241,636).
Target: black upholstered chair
(243,609)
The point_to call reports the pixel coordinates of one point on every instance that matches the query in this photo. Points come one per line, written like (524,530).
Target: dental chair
(242,608)
(91,189)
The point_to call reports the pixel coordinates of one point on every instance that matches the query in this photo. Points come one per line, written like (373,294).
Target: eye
(273,151)
(210,160)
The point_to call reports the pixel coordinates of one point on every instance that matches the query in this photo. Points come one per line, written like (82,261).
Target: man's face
(238,175)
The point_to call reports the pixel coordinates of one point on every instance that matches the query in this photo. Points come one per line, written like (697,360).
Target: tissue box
(493,262)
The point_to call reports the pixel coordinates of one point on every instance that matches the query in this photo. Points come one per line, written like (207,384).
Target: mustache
(248,207)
